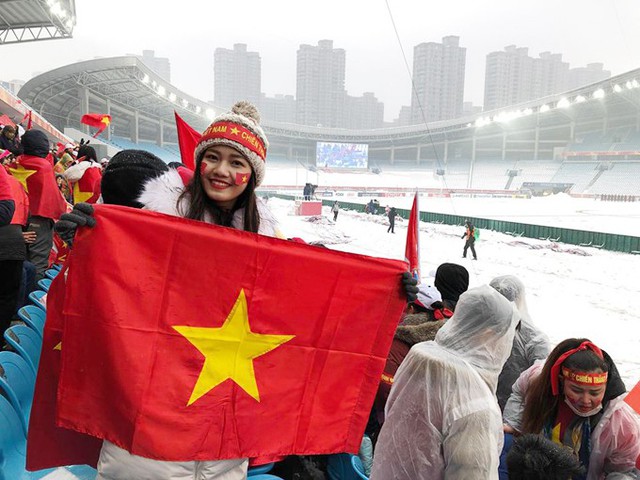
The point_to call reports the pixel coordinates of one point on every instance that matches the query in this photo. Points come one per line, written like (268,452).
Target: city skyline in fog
(582,31)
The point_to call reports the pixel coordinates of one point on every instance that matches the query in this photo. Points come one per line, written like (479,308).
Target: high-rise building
(320,91)
(438,80)
(279,108)
(363,112)
(512,76)
(159,65)
(592,73)
(237,76)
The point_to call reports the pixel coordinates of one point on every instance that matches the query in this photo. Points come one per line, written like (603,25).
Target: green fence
(606,241)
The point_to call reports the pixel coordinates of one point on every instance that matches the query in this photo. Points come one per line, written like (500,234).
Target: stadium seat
(12,442)
(55,266)
(34,317)
(254,471)
(51,273)
(341,466)
(18,382)
(26,343)
(39,299)
(44,284)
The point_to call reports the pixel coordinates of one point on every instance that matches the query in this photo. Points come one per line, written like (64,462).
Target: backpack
(476,233)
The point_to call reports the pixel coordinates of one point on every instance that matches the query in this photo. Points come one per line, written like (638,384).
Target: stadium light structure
(563,103)
(172,97)
(580,99)
(544,108)
(145,79)
(210,114)
(599,93)
(162,91)
(198,108)
(184,103)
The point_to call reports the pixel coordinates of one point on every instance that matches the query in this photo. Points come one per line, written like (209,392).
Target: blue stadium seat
(34,317)
(44,284)
(342,466)
(254,471)
(18,382)
(26,343)
(264,476)
(51,273)
(37,298)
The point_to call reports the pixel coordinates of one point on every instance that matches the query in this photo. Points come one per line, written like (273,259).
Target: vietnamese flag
(87,189)
(188,138)
(633,398)
(47,444)
(412,249)
(36,176)
(98,120)
(213,343)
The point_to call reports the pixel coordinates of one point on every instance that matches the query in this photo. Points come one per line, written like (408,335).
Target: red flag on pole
(98,120)
(27,116)
(245,362)
(188,138)
(412,249)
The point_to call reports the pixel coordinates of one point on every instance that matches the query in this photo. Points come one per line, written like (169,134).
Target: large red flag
(212,343)
(188,138)
(36,176)
(47,444)
(412,249)
(98,120)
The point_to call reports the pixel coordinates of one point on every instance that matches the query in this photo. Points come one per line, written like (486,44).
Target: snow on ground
(571,291)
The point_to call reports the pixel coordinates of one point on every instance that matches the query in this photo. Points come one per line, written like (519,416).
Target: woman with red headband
(576,399)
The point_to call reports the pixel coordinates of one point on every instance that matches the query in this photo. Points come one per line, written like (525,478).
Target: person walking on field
(392,219)
(335,209)
(469,233)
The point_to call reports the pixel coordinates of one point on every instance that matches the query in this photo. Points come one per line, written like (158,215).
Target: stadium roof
(130,90)
(32,20)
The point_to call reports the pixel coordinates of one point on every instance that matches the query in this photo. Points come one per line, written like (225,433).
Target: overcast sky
(188,32)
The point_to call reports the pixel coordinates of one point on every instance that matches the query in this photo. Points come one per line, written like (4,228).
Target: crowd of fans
(471,387)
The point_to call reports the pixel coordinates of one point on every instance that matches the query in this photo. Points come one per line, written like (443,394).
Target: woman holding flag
(230,164)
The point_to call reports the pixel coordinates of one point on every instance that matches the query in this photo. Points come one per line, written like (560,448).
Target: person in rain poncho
(442,418)
(529,343)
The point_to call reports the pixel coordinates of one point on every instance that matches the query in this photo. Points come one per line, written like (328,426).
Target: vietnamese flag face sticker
(203,168)
(242,178)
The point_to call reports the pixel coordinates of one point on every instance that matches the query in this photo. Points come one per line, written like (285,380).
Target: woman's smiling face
(218,170)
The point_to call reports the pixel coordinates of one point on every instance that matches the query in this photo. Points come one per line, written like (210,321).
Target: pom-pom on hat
(124,178)
(239,129)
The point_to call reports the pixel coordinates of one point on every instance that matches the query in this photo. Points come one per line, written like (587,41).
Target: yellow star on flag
(235,131)
(80,196)
(229,351)
(21,175)
(58,346)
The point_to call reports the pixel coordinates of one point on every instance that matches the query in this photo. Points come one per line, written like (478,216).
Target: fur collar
(416,328)
(161,195)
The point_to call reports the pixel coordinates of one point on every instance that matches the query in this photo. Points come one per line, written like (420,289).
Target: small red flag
(188,138)
(242,178)
(252,362)
(87,189)
(27,116)
(98,120)
(412,249)
(633,398)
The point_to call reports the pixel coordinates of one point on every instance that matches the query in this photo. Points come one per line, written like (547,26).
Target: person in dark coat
(470,235)
(451,280)
(392,219)
(8,140)
(422,320)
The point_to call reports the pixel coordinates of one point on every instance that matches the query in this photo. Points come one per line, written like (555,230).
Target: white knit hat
(239,129)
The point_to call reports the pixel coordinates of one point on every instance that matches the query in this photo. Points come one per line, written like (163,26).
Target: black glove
(80,216)
(409,284)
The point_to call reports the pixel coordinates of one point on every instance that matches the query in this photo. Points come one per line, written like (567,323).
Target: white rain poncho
(529,344)
(442,418)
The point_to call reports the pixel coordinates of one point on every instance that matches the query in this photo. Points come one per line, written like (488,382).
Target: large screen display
(342,155)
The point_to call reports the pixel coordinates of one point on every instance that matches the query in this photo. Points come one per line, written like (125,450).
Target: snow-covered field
(571,291)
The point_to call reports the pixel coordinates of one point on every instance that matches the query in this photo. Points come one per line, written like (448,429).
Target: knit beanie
(451,281)
(126,174)
(239,129)
(87,152)
(35,143)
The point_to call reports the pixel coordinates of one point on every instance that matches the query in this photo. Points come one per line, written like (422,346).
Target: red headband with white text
(556,369)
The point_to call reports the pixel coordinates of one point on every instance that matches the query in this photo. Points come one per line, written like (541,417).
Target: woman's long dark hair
(200,203)
(540,404)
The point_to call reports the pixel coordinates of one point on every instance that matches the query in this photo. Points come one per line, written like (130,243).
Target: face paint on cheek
(203,168)
(242,178)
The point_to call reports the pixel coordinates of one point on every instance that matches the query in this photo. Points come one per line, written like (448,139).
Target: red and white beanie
(239,129)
